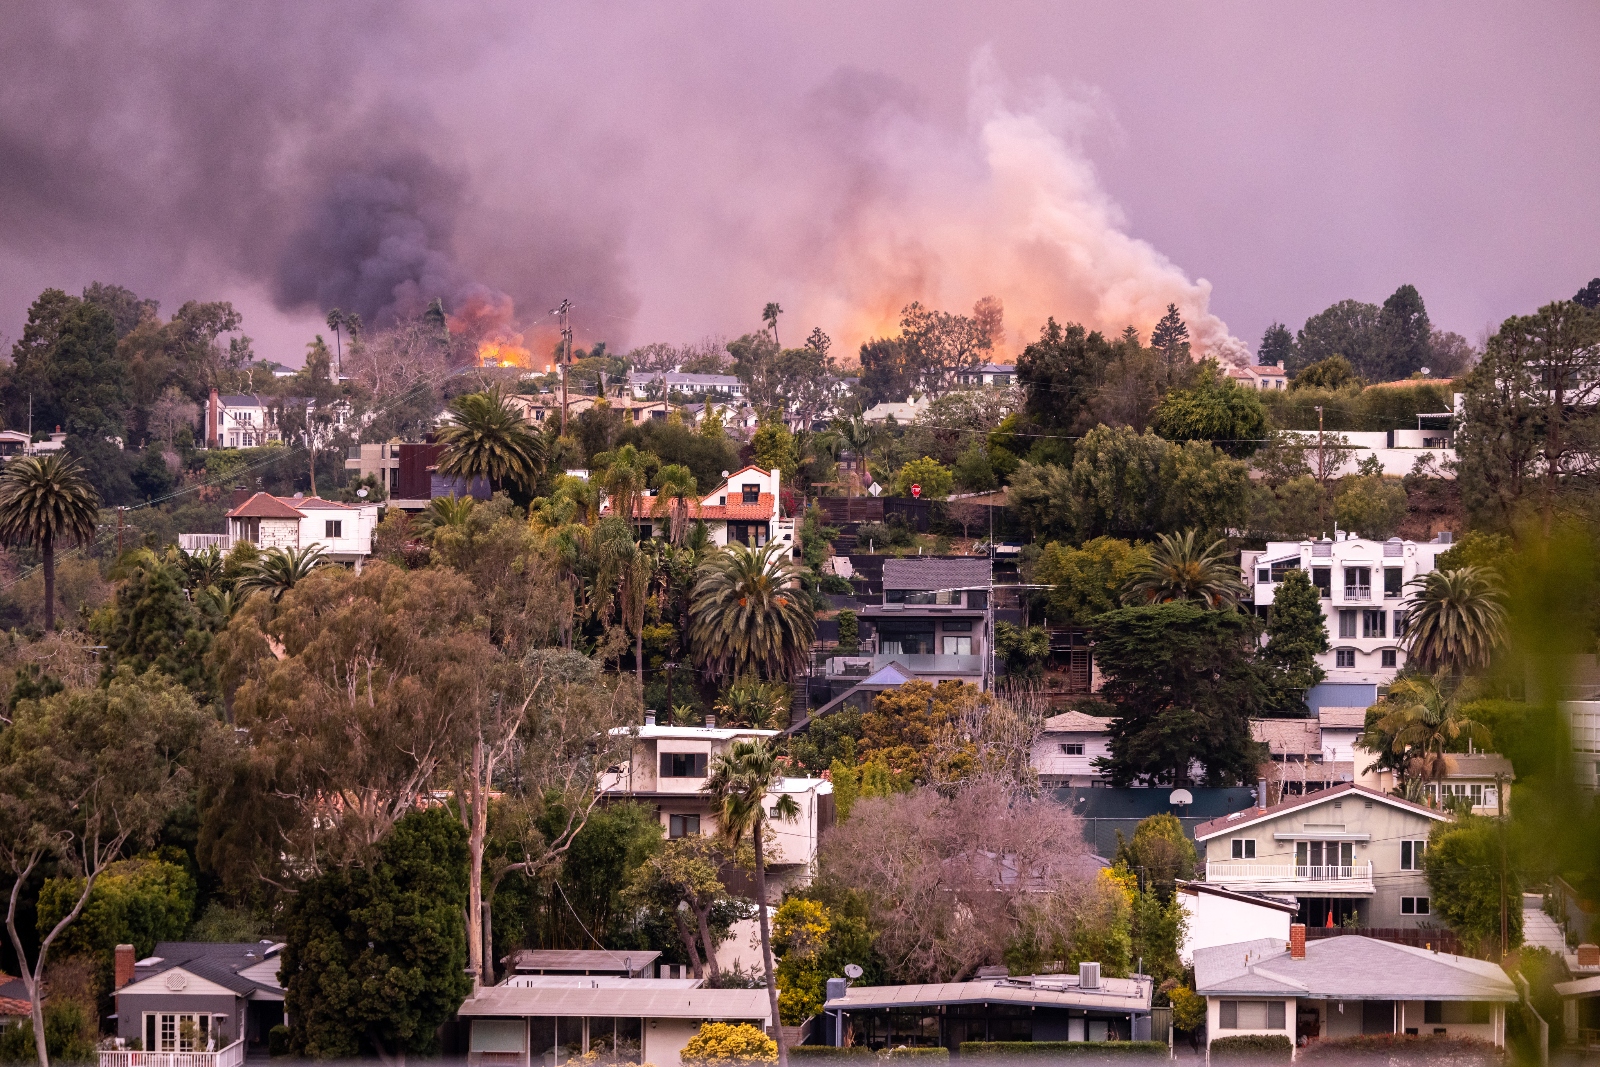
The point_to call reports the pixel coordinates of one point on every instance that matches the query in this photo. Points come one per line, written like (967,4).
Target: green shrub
(1385,1049)
(936,1055)
(278,1041)
(69,1036)
(1256,1048)
(1036,1051)
(830,1052)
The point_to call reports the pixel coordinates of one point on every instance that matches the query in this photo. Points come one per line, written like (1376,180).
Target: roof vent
(1088,976)
(649,718)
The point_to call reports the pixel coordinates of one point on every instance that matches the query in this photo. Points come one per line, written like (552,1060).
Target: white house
(1348,986)
(664,384)
(1216,915)
(1583,722)
(1066,750)
(745,508)
(344,531)
(1362,584)
(1397,450)
(902,412)
(998,374)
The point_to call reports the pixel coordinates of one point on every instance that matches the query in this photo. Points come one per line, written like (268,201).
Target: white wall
(1050,762)
(1212,920)
(1214,1019)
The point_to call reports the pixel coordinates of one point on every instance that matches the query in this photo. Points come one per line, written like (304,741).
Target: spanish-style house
(1350,986)
(342,531)
(1362,585)
(1348,855)
(745,508)
(667,767)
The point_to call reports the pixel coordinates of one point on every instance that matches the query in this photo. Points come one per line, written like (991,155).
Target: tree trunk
(638,654)
(687,937)
(476,814)
(766,946)
(48,544)
(704,915)
(313,467)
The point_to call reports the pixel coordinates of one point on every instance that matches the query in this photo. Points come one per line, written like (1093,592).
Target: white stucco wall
(1213,920)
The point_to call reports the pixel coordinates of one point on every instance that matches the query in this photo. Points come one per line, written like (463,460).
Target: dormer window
(750,494)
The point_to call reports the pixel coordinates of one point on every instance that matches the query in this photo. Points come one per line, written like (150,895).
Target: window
(1344,657)
(1281,569)
(1072,748)
(978,598)
(1413,905)
(1358,583)
(1411,854)
(333,528)
(1347,622)
(1251,1015)
(750,494)
(233,440)
(683,826)
(1393,583)
(1400,623)
(958,646)
(1324,854)
(683,764)
(1374,623)
(1263,575)
(1389,658)
(249,440)
(1244,848)
(1322,578)
(958,627)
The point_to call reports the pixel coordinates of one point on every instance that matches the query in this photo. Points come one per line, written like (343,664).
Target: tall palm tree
(675,494)
(624,475)
(739,782)
(858,436)
(281,569)
(1424,717)
(488,438)
(748,614)
(1456,620)
(769,315)
(42,500)
(1178,569)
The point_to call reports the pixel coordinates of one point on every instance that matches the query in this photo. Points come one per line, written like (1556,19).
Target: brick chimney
(125,961)
(1297,941)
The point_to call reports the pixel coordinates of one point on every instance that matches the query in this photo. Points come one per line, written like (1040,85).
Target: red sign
(916,490)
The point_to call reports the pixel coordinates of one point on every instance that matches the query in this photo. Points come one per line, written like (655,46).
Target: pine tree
(1296,635)
(1277,346)
(1171,339)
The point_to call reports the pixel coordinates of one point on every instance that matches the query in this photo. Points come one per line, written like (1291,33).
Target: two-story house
(1067,747)
(342,531)
(1362,584)
(994,374)
(744,508)
(934,621)
(667,766)
(1345,854)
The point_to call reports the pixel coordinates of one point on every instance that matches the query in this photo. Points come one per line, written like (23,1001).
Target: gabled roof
(241,400)
(216,962)
(931,572)
(1252,816)
(316,503)
(888,676)
(264,506)
(645,1000)
(1478,765)
(1036,991)
(1075,722)
(1211,889)
(1348,967)
(13,997)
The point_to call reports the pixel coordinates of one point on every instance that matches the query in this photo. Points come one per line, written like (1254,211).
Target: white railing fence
(228,1056)
(1219,872)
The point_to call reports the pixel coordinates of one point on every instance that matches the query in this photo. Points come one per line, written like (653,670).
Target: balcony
(1352,881)
(192,543)
(231,1056)
(1357,594)
(932,664)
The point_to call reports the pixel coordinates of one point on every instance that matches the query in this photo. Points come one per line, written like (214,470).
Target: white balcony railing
(1355,878)
(193,543)
(1358,593)
(937,664)
(228,1056)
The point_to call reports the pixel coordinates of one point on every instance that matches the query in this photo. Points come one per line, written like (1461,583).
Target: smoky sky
(672,167)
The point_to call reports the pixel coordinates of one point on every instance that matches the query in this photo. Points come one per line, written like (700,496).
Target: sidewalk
(1541,931)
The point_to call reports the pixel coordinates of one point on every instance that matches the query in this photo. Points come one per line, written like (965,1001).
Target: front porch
(227,1056)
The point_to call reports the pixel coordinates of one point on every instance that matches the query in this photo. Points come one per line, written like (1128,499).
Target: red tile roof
(763,508)
(264,506)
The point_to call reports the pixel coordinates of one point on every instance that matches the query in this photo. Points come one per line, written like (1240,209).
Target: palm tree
(1456,620)
(769,315)
(281,569)
(42,500)
(336,324)
(675,491)
(1424,717)
(858,436)
(488,438)
(624,475)
(446,511)
(753,703)
(738,784)
(748,614)
(1178,570)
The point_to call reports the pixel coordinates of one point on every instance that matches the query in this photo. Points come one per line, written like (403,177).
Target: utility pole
(120,510)
(564,354)
(1500,805)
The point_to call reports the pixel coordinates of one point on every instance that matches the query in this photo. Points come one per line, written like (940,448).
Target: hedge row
(823,1053)
(1252,1048)
(1030,1051)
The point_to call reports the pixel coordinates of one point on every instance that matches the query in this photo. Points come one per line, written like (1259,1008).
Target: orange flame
(488,319)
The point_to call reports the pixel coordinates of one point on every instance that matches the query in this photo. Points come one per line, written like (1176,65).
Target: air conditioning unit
(1088,976)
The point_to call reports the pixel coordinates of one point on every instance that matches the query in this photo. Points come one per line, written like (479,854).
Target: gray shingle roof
(215,961)
(1115,994)
(1349,967)
(1069,722)
(641,999)
(931,573)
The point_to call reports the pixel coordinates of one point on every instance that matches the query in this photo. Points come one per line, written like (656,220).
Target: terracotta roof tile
(264,506)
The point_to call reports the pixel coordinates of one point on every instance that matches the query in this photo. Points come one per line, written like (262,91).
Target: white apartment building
(1397,450)
(1363,589)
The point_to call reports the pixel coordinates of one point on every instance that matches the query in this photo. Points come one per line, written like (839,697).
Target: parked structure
(1363,588)
(1346,987)
(1046,1007)
(552,1022)
(667,766)
(196,997)
(1346,854)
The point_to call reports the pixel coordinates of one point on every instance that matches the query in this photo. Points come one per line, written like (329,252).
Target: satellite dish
(1426,372)
(852,970)
(362,493)
(1180,798)
(724,474)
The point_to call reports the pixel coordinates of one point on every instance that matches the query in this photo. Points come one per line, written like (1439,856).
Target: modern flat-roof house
(1397,451)
(582,962)
(1363,589)
(1344,854)
(667,766)
(745,508)
(1046,1007)
(1066,750)
(1348,986)
(933,622)
(547,1022)
(197,997)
